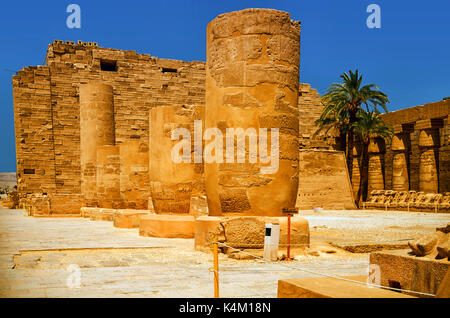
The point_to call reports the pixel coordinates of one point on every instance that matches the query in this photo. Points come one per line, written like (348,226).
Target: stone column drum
(356,174)
(172,183)
(400,178)
(134,177)
(252,81)
(376,164)
(96,129)
(108,177)
(428,176)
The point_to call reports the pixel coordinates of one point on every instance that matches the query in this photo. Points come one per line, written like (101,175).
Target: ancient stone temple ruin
(73,112)
(95,135)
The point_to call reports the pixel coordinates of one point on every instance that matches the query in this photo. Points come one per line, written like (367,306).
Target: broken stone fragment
(427,244)
(443,249)
(445,229)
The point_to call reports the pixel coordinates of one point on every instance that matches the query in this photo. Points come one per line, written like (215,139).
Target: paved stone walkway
(41,257)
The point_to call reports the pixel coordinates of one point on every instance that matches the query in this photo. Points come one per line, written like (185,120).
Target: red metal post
(288,258)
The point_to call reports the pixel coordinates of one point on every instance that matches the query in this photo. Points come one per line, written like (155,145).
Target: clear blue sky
(409,57)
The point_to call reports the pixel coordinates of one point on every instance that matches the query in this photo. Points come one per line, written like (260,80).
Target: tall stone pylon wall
(96,130)
(47,111)
(252,81)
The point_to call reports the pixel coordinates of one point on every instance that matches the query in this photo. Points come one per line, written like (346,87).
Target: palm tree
(332,120)
(369,125)
(343,101)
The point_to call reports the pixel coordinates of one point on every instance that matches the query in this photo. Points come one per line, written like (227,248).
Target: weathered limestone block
(400,269)
(427,244)
(40,205)
(128,219)
(247,232)
(86,212)
(437,242)
(444,287)
(443,249)
(108,177)
(101,214)
(208,230)
(134,178)
(65,204)
(323,180)
(96,129)
(167,226)
(252,83)
(172,183)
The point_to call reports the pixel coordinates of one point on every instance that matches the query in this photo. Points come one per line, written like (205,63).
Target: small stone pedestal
(247,232)
(86,212)
(102,214)
(128,218)
(167,226)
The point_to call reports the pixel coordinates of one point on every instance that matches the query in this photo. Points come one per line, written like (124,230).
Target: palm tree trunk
(364,175)
(343,139)
(350,137)
(350,142)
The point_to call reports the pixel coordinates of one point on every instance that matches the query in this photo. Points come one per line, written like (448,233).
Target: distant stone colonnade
(418,158)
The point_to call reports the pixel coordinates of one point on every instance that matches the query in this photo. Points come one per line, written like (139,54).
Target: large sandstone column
(356,174)
(96,129)
(376,164)
(428,177)
(108,177)
(134,177)
(400,179)
(252,81)
(172,183)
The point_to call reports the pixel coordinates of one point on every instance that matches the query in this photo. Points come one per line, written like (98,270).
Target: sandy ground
(75,257)
(371,227)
